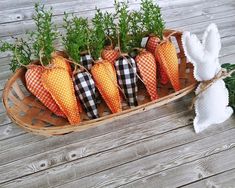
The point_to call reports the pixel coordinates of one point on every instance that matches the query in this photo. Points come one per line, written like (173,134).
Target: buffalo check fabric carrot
(59,84)
(86,61)
(127,78)
(148,70)
(110,54)
(167,56)
(86,91)
(35,86)
(105,79)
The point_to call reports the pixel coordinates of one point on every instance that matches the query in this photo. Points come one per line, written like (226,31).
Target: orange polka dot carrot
(35,86)
(59,84)
(59,61)
(167,56)
(148,70)
(105,79)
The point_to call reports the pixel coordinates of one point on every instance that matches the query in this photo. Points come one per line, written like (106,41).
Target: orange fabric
(59,61)
(167,56)
(105,79)
(148,70)
(59,84)
(151,46)
(110,55)
(79,106)
(34,85)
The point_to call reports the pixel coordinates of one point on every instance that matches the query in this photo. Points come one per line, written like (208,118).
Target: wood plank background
(155,149)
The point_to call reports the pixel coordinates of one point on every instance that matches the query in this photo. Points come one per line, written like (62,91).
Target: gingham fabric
(127,78)
(152,44)
(85,88)
(110,55)
(34,85)
(148,70)
(86,61)
(168,59)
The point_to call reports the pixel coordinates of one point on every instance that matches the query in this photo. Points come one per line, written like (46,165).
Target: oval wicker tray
(27,112)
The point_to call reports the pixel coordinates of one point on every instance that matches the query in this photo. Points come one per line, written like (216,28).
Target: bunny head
(205,55)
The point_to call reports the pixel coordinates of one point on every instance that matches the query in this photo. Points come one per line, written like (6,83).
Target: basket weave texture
(29,113)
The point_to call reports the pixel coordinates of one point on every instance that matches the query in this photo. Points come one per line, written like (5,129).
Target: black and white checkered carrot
(127,78)
(86,61)
(87,93)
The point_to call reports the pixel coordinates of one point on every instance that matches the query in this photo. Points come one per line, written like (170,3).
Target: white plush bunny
(211,106)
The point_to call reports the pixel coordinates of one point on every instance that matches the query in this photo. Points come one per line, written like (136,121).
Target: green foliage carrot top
(45,34)
(122,14)
(230,84)
(152,18)
(98,34)
(136,28)
(77,38)
(21,52)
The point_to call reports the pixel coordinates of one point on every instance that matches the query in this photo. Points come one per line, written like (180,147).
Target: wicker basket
(26,111)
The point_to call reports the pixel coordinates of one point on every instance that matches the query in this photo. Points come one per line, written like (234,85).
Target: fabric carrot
(59,61)
(59,84)
(127,78)
(86,61)
(35,86)
(167,56)
(150,43)
(148,70)
(105,79)
(86,91)
(110,54)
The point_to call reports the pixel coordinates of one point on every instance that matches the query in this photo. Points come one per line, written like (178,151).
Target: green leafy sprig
(21,53)
(123,25)
(230,84)
(45,34)
(77,38)
(136,28)
(152,18)
(98,34)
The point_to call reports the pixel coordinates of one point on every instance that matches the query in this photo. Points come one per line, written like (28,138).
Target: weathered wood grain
(222,180)
(89,147)
(158,143)
(130,134)
(10,131)
(193,171)
(4,119)
(25,25)
(156,163)
(128,171)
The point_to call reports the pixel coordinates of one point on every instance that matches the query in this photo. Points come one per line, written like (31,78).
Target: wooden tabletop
(155,149)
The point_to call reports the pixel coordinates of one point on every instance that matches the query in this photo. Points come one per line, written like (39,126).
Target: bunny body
(211,106)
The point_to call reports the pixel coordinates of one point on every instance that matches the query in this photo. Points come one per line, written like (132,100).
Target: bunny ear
(211,40)
(193,48)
